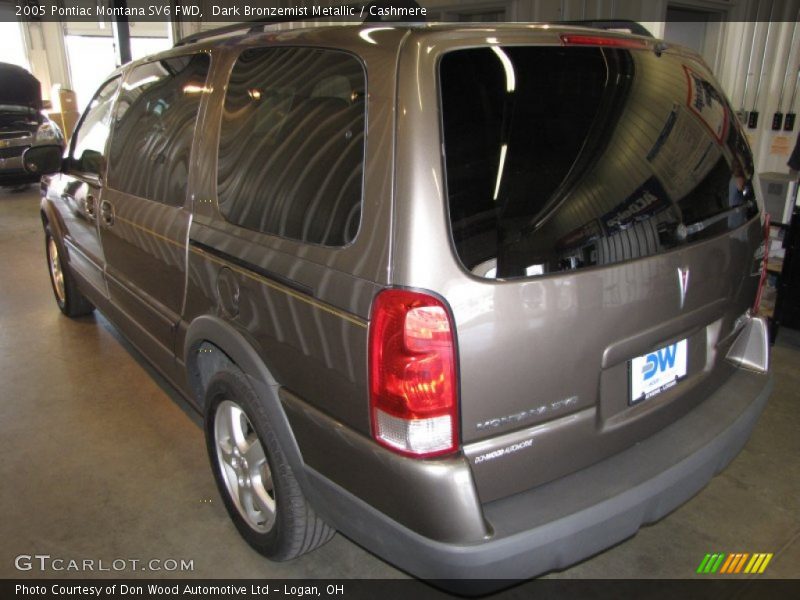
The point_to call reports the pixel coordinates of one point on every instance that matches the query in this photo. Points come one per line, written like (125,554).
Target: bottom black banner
(219,589)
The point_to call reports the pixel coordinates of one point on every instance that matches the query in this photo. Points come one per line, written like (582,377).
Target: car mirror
(92,161)
(42,160)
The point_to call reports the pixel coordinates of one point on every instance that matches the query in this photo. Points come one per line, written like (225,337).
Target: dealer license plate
(657,371)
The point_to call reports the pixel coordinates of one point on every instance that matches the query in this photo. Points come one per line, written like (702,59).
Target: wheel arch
(51,218)
(212,344)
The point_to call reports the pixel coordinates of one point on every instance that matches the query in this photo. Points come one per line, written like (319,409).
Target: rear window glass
(563,158)
(291,146)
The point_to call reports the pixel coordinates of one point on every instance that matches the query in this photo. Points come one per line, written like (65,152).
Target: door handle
(91,207)
(107,213)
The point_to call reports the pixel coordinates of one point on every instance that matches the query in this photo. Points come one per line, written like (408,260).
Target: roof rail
(611,24)
(361,10)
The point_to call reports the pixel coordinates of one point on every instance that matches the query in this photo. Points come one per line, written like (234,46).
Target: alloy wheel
(243,465)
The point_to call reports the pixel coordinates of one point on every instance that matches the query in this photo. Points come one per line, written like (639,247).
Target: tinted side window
(154,125)
(563,158)
(88,149)
(291,147)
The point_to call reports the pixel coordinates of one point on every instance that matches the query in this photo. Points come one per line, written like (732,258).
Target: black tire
(293,528)
(68,297)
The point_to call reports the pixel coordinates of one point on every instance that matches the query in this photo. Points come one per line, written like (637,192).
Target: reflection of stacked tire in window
(637,240)
(292,144)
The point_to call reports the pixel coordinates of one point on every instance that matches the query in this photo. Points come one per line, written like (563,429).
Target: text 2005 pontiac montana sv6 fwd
(479,298)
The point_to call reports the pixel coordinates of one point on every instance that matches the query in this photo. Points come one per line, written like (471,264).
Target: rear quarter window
(291,147)
(560,158)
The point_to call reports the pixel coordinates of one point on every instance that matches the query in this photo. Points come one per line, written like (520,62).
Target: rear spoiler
(612,25)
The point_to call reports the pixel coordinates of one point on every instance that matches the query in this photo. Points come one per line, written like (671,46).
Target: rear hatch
(600,199)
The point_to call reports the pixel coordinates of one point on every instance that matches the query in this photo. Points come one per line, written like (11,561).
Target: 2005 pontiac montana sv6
(482,299)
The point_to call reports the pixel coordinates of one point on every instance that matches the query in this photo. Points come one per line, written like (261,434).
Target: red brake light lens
(413,387)
(572,39)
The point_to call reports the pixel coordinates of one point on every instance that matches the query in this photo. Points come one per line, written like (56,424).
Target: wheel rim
(56,274)
(243,466)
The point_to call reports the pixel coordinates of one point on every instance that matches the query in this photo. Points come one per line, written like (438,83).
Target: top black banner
(380,10)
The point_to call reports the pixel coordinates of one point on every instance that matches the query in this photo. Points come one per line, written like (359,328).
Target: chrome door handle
(107,213)
(91,207)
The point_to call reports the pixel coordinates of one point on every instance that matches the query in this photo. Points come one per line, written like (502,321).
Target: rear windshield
(563,158)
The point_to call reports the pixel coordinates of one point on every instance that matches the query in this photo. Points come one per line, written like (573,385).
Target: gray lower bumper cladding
(563,522)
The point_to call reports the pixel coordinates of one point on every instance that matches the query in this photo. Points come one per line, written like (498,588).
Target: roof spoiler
(257,25)
(612,25)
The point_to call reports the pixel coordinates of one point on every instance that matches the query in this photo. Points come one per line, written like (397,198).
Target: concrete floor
(101,460)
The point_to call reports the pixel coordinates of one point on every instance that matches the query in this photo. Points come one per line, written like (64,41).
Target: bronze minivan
(480,298)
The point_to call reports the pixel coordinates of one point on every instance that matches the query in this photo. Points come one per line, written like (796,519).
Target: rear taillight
(572,39)
(763,278)
(412,369)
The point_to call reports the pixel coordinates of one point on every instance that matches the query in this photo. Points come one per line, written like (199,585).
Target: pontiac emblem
(683,282)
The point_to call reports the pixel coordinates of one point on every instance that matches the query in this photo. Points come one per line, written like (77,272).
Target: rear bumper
(565,521)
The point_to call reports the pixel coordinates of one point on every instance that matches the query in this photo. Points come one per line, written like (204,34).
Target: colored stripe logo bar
(734,563)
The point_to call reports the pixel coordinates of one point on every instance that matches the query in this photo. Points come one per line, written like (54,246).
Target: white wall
(47,55)
(740,77)
(12,44)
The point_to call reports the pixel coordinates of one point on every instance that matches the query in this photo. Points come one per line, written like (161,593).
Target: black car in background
(22,123)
